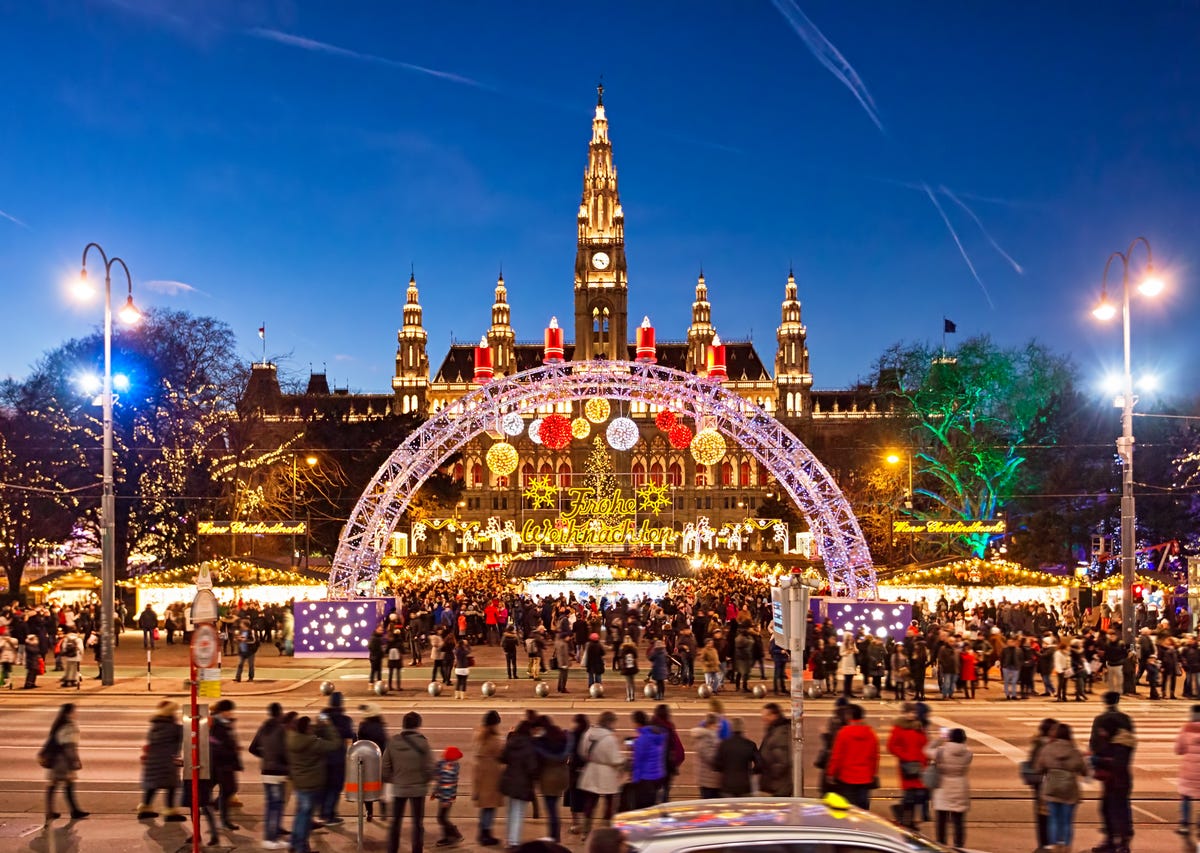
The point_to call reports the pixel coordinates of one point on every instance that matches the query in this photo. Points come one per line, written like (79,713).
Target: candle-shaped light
(483,362)
(645,342)
(716,359)
(554,343)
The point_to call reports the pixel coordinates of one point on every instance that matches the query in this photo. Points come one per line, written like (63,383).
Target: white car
(766,825)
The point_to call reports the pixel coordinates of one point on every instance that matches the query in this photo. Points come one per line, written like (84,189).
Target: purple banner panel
(337,628)
(880,619)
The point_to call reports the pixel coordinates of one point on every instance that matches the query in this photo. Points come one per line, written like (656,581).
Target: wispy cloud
(824,52)
(341,356)
(954,198)
(14,219)
(171,288)
(962,251)
(315,46)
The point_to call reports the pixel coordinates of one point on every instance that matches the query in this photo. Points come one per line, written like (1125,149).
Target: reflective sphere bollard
(760,692)
(380,688)
(704,691)
(435,688)
(596,691)
(542,689)
(487,689)
(326,688)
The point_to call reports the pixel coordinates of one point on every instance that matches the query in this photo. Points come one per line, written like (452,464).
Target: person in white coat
(848,665)
(72,656)
(952,796)
(604,769)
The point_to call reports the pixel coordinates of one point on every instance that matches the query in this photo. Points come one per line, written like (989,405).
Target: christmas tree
(600,480)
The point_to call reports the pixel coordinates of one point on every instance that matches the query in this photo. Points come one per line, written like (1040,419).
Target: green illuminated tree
(975,412)
(598,469)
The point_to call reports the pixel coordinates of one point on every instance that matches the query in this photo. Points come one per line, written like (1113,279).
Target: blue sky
(288,161)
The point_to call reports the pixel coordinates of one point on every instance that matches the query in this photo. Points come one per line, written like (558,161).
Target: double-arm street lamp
(129,314)
(1150,285)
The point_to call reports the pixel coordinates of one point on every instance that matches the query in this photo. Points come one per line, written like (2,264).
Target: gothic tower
(412,364)
(601,286)
(700,333)
(791,358)
(500,335)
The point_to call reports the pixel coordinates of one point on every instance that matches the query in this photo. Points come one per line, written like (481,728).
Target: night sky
(287,162)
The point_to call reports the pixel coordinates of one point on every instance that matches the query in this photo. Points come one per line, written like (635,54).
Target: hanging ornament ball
(707,447)
(512,424)
(542,689)
(535,430)
(704,691)
(680,436)
(488,688)
(580,428)
(622,434)
(502,458)
(596,410)
(665,420)
(555,432)
(326,688)
(380,688)
(435,688)
(760,692)
(596,691)
(650,691)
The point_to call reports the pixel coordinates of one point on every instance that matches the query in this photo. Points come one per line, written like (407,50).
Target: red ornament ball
(680,436)
(555,432)
(665,420)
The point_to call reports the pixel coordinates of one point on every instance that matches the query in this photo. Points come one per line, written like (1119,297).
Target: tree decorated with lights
(599,477)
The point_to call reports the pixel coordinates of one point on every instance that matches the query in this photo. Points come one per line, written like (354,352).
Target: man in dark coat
(737,759)
(335,761)
(225,757)
(269,746)
(775,752)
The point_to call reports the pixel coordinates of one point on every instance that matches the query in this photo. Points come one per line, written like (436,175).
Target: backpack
(630,661)
(70,648)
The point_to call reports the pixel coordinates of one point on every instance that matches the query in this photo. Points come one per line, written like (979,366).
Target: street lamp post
(1150,285)
(108,567)
(894,459)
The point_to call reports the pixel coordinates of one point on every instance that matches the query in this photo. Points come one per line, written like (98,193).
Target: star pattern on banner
(541,493)
(653,497)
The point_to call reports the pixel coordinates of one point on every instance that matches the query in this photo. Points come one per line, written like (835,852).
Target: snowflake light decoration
(708,447)
(580,428)
(502,458)
(680,436)
(535,430)
(653,497)
(622,434)
(665,420)
(541,492)
(596,410)
(512,424)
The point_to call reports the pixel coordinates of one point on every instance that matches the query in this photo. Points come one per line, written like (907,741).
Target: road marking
(1015,754)
(1149,814)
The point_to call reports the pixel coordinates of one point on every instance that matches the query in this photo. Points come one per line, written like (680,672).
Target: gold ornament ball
(596,410)
(708,447)
(502,458)
(580,428)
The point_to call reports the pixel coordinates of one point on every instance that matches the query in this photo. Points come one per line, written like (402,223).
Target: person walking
(72,657)
(247,646)
(225,759)
(148,622)
(510,644)
(445,792)
(601,777)
(594,660)
(60,756)
(1112,759)
(375,655)
(485,792)
(574,798)
(553,776)
(707,740)
(269,746)
(710,665)
(1060,764)
(1187,745)
(161,762)
(563,659)
(35,664)
(907,741)
(1033,778)
(659,669)
(743,661)
(335,762)
(853,765)
(952,796)
(516,780)
(948,670)
(737,760)
(307,745)
(373,728)
(627,656)
(775,752)
(408,766)
(648,760)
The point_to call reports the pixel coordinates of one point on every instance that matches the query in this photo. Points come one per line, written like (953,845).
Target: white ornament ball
(512,424)
(535,430)
(813,692)
(435,688)
(622,434)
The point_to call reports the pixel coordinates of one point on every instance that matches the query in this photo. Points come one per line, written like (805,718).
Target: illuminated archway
(799,473)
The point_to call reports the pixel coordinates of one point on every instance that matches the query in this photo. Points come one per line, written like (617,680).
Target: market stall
(241,580)
(977,581)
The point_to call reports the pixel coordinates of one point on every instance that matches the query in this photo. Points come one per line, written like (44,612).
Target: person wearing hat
(485,791)
(161,761)
(269,746)
(224,758)
(408,766)
(335,761)
(594,659)
(445,792)
(372,727)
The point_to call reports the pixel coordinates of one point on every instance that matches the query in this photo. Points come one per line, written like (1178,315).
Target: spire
(412,364)
(500,336)
(701,332)
(600,214)
(600,92)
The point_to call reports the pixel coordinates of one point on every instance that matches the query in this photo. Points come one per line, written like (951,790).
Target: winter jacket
(489,746)
(520,762)
(66,761)
(553,776)
(953,793)
(847,661)
(269,746)
(374,730)
(710,660)
(163,743)
(627,659)
(594,657)
(601,749)
(776,759)
(947,659)
(907,742)
(306,756)
(737,758)
(650,754)
(223,749)
(408,764)
(345,729)
(1060,755)
(1188,746)
(706,741)
(658,664)
(854,758)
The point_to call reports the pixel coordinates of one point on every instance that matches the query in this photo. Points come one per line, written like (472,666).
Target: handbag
(1028,775)
(911,769)
(932,777)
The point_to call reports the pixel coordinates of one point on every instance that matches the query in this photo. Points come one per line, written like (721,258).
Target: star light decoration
(868,617)
(340,628)
(708,447)
(665,420)
(541,492)
(512,424)
(622,434)
(596,410)
(555,432)
(502,458)
(653,497)
(679,436)
(581,428)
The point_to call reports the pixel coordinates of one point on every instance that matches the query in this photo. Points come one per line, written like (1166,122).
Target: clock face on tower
(600,261)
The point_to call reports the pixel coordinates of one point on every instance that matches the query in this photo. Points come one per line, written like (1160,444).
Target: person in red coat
(968,671)
(907,742)
(853,767)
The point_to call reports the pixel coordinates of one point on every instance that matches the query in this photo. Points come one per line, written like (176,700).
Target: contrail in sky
(825,53)
(958,242)
(12,218)
(333,50)
(946,192)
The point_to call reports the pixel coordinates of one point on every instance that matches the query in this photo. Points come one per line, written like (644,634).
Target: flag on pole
(949,327)
(262,333)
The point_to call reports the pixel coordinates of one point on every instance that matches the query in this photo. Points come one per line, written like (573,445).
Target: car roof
(758,812)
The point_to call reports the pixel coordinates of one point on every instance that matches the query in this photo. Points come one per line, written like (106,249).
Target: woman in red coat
(907,742)
(968,671)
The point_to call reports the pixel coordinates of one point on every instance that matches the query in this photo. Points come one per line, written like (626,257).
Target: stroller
(674,670)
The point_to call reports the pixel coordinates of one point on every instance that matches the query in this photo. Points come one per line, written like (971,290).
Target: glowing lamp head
(1104,310)
(120,382)
(129,313)
(553,322)
(1151,284)
(646,322)
(82,288)
(310,461)
(893,459)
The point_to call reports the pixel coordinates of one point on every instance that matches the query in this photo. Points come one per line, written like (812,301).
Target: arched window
(501,482)
(746,475)
(639,473)
(701,476)
(546,471)
(458,471)
(564,476)
(726,473)
(675,474)
(656,473)
(476,475)
(526,473)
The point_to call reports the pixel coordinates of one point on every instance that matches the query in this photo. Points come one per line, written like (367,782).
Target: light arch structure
(798,472)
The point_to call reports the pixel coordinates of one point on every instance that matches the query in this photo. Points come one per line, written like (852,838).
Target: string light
(535,430)
(512,424)
(708,447)
(580,428)
(680,436)
(596,410)
(622,434)
(502,458)
(665,420)
(555,432)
